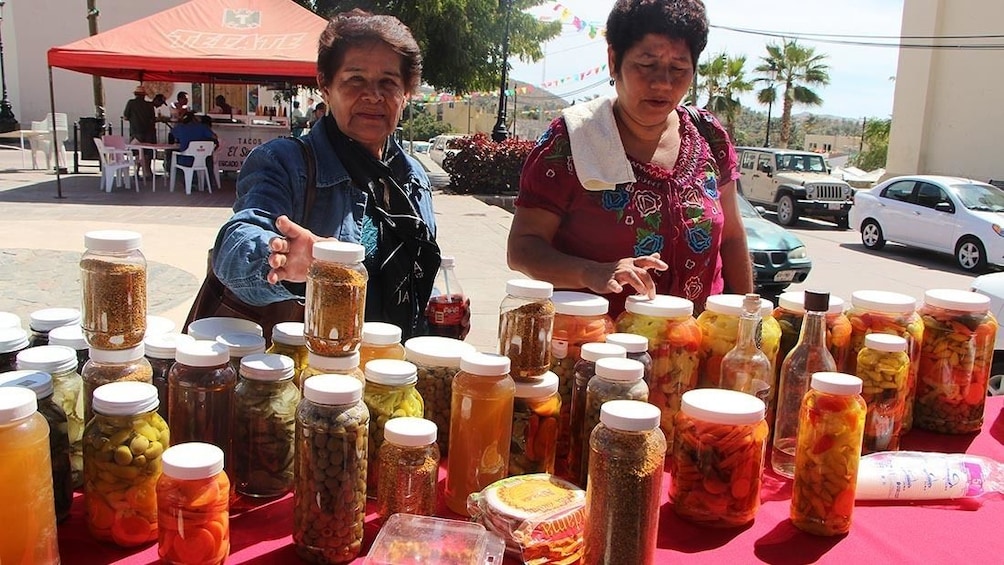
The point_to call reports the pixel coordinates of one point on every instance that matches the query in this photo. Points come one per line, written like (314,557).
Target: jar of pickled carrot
(827,453)
(956,354)
(347,365)
(789,314)
(123,445)
(718,457)
(719,325)
(193,506)
(380,341)
(535,414)
(883,367)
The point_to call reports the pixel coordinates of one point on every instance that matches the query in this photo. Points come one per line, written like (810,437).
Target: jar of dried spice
(409,468)
(535,413)
(241,344)
(438,361)
(526,322)
(347,365)
(615,379)
(113,286)
(193,506)
(585,369)
(113,365)
(41,322)
(201,395)
(883,367)
(389,393)
(72,337)
(336,298)
(288,340)
(12,342)
(160,352)
(789,314)
(380,341)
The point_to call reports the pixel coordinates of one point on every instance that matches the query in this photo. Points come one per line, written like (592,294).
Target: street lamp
(772,75)
(7,120)
(499,132)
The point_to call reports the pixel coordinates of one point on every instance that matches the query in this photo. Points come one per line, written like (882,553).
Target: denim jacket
(272,182)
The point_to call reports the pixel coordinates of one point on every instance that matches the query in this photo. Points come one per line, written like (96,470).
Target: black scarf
(408,255)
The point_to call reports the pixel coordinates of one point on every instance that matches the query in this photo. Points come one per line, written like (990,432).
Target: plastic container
(637,349)
(883,367)
(160,352)
(240,345)
(389,393)
(208,329)
(12,342)
(718,457)
(535,414)
(110,366)
(444,542)
(336,298)
(448,308)
(201,395)
(409,468)
(288,340)
(585,369)
(123,445)
(719,323)
(9,320)
(347,365)
(193,506)
(437,360)
(113,286)
(526,322)
(380,341)
(41,322)
(157,325)
(615,379)
(789,313)
(72,337)
(956,355)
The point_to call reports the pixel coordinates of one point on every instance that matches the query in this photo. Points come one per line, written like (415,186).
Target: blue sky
(861,78)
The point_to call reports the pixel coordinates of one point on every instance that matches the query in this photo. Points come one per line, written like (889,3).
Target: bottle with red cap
(449,306)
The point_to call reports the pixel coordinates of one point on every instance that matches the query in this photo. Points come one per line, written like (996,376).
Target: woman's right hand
(292,253)
(606,278)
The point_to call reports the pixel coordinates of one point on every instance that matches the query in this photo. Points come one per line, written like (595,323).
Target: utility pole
(861,143)
(8,121)
(99,91)
(499,133)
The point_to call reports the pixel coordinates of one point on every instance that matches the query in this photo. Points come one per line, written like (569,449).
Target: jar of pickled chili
(615,379)
(113,286)
(437,359)
(827,454)
(789,314)
(288,340)
(193,506)
(585,369)
(956,354)
(389,393)
(409,468)
(380,341)
(113,365)
(160,352)
(883,367)
(41,322)
(718,457)
(240,345)
(719,325)
(12,342)
(123,445)
(336,298)
(535,413)
(347,365)
(526,323)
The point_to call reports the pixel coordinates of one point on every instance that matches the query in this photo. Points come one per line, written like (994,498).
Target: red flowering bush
(482,166)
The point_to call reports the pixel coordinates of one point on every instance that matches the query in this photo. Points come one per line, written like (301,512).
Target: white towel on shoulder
(600,160)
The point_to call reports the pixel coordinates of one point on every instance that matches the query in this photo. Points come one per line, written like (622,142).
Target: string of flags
(565,16)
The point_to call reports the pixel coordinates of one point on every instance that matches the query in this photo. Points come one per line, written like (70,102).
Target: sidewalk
(43,240)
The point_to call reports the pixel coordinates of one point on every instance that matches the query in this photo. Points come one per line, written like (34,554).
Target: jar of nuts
(347,365)
(389,393)
(437,360)
(380,341)
(883,367)
(409,468)
(535,414)
(113,286)
(526,322)
(336,298)
(615,379)
(113,365)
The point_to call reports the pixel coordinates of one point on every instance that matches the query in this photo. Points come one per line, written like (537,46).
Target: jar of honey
(240,345)
(201,395)
(160,352)
(380,341)
(193,506)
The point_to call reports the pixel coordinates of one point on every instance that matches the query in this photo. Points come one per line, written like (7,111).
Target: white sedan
(959,216)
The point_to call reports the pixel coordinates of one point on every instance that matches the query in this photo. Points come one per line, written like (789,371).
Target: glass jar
(157,325)
(719,325)
(113,286)
(789,314)
(526,323)
(72,337)
(615,379)
(389,393)
(240,345)
(208,329)
(883,367)
(123,445)
(828,454)
(67,392)
(9,320)
(320,365)
(265,401)
(201,395)
(288,340)
(585,369)
(627,451)
(637,349)
(480,427)
(409,468)
(27,512)
(535,414)
(329,501)
(41,322)
(59,442)
(437,360)
(380,341)
(956,354)
(12,342)
(193,506)
(336,298)
(160,352)
(109,366)
(718,457)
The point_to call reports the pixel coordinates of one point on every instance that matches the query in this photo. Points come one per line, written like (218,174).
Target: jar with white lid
(718,457)
(193,505)
(288,340)
(883,367)
(9,320)
(12,342)
(160,352)
(347,365)
(208,329)
(585,369)
(789,314)
(526,323)
(380,341)
(201,395)
(336,298)
(41,322)
(389,393)
(72,337)
(241,344)
(535,414)
(615,379)
(719,323)
(265,402)
(113,365)
(637,349)
(113,287)
(157,325)
(409,468)
(437,360)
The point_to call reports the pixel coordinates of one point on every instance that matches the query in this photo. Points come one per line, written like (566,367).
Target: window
(764,163)
(929,195)
(901,190)
(749,159)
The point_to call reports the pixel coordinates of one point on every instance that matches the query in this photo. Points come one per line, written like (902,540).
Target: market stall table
(929,532)
(155,147)
(23,134)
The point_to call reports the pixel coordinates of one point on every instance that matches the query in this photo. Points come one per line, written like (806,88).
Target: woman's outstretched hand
(292,253)
(605,278)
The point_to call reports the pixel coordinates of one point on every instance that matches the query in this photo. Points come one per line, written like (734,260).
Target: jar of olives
(240,345)
(72,337)
(789,314)
(347,365)
(160,352)
(526,323)
(12,342)
(437,360)
(409,468)
(288,340)
(113,286)
(336,298)
(380,341)
(193,506)
(113,365)
(535,414)
(41,322)
(389,393)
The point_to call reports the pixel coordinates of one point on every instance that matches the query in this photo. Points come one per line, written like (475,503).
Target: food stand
(238,135)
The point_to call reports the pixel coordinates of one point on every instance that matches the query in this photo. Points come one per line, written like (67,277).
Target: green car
(779,257)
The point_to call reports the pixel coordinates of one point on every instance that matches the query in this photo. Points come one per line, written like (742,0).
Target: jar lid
(53,359)
(953,299)
(579,303)
(545,385)
(529,288)
(192,461)
(621,370)
(39,382)
(393,372)
(117,355)
(596,350)
(164,346)
(241,344)
(13,339)
(48,318)
(722,406)
(630,415)
(436,351)
(732,304)
(17,403)
(485,364)
(885,342)
(883,301)
(125,398)
(836,383)
(794,301)
(70,336)
(114,241)
(380,333)
(339,252)
(341,364)
(332,390)
(289,333)
(9,320)
(662,306)
(202,353)
(211,328)
(410,432)
(267,367)
(632,343)
(156,325)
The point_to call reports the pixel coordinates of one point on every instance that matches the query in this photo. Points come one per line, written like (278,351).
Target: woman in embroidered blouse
(652,207)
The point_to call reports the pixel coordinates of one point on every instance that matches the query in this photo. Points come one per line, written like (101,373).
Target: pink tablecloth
(942,532)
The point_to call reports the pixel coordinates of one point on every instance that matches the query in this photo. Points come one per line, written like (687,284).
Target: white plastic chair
(201,152)
(42,141)
(115,166)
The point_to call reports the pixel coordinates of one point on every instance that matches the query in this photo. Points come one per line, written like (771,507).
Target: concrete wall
(832,144)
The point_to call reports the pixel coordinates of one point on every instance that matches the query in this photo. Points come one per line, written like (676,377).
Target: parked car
(443,145)
(953,215)
(992,285)
(779,257)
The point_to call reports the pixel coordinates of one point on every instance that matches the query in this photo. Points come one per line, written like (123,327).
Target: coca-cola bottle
(448,311)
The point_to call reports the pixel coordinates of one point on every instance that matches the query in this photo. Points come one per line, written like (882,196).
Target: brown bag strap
(311,187)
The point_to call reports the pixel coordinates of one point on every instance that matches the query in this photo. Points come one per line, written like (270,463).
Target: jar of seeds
(526,322)
(193,506)
(389,393)
(347,365)
(12,342)
(72,337)
(240,345)
(336,298)
(41,322)
(160,352)
(585,369)
(438,361)
(409,468)
(113,365)
(380,341)
(615,379)
(113,286)
(535,414)
(288,340)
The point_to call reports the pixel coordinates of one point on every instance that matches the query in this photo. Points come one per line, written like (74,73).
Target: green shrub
(482,166)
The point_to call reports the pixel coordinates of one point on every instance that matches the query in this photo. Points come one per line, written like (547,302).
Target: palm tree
(724,79)
(797,69)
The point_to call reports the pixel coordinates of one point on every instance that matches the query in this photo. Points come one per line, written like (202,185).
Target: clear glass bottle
(585,369)
(627,452)
(208,329)
(438,361)
(265,401)
(113,286)
(380,341)
(745,367)
(615,379)
(12,342)
(448,306)
(201,395)
(832,423)
(409,468)
(883,367)
(336,298)
(719,323)
(789,314)
(240,345)
(526,323)
(123,445)
(193,506)
(480,427)
(535,414)
(41,322)
(160,352)
(389,393)
(809,356)
(72,337)
(113,365)
(288,340)
(347,365)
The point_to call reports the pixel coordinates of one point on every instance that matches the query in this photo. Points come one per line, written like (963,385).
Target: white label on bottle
(915,476)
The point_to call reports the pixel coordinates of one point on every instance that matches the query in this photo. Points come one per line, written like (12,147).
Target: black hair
(631,20)
(359,28)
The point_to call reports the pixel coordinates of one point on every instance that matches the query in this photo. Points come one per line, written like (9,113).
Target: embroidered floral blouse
(675,213)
